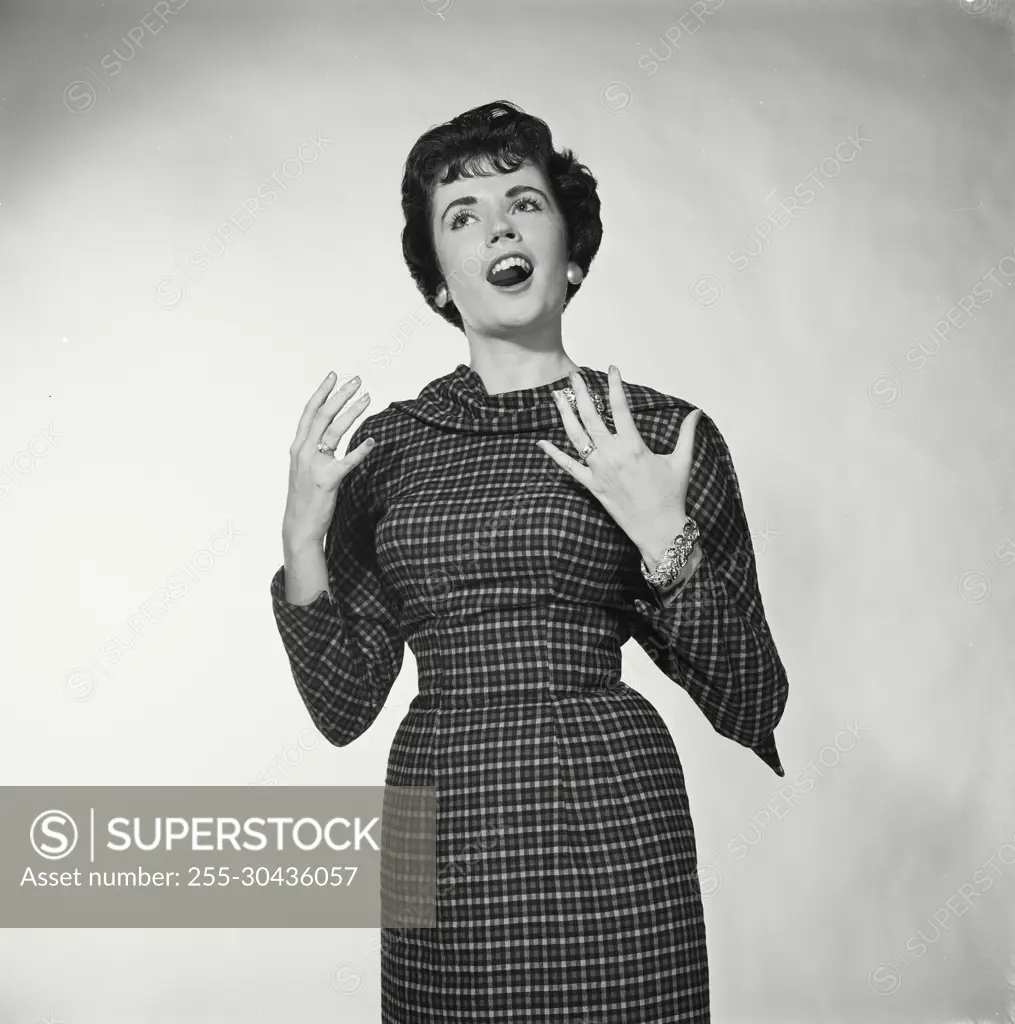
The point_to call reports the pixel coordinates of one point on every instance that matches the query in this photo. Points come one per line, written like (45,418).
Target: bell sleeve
(345,648)
(710,635)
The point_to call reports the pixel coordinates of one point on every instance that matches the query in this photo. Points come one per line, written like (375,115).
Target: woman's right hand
(314,476)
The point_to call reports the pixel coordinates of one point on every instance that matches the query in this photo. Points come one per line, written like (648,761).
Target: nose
(501,228)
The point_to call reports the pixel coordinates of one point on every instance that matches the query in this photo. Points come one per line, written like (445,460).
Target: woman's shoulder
(659,416)
(652,405)
(650,399)
(378,425)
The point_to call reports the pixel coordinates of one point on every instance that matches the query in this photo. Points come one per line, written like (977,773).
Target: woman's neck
(505,365)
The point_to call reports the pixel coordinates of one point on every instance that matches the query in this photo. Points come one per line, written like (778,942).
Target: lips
(510,268)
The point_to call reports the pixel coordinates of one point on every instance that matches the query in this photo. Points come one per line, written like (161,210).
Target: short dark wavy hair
(499,135)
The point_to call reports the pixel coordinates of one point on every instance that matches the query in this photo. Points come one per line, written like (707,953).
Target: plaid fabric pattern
(567,870)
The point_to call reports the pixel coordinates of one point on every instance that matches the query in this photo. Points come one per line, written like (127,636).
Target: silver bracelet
(674,558)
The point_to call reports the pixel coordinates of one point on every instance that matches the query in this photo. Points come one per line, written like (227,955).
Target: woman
(567,886)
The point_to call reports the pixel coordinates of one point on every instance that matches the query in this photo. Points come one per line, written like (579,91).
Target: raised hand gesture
(314,476)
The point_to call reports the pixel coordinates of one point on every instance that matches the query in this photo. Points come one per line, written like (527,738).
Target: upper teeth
(511,261)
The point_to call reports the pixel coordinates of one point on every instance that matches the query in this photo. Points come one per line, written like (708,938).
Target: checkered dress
(567,881)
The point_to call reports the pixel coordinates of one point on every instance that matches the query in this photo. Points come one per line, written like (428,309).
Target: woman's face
(476,222)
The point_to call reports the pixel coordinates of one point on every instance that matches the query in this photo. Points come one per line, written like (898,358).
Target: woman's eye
(530,199)
(456,221)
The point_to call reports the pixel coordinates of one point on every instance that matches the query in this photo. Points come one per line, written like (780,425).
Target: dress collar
(459,402)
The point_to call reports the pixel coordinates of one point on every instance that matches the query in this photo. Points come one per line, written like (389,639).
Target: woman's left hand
(645,493)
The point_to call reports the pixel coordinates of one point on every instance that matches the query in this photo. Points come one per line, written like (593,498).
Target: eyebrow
(510,194)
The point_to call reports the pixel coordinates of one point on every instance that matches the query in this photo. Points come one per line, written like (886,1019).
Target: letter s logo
(53,825)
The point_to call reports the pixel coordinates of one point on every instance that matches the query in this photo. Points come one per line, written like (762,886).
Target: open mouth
(511,269)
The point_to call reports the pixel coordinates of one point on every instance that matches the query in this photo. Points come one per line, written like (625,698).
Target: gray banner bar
(217,856)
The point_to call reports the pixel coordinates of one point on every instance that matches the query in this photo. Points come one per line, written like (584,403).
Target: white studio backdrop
(855,351)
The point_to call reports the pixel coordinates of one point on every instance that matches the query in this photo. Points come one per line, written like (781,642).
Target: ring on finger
(587,450)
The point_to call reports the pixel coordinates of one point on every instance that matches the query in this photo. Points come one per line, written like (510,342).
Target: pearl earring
(574,273)
(442,296)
